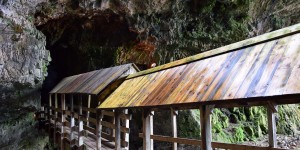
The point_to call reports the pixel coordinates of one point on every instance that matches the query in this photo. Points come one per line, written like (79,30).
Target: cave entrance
(82,42)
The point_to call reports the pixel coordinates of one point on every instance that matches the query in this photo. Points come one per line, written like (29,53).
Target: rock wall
(85,35)
(23,67)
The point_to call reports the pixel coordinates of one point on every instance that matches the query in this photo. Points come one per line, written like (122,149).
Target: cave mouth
(80,43)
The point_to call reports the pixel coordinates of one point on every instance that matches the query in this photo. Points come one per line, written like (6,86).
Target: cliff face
(86,35)
(23,67)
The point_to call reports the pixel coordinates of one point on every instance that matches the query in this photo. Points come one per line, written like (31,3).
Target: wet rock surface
(23,67)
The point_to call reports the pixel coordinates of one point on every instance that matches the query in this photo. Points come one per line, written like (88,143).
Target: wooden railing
(215,145)
(79,130)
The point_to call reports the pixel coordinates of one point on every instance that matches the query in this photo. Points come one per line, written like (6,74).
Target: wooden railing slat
(214,144)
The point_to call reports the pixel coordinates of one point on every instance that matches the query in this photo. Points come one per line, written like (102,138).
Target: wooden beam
(271,110)
(205,120)
(117,130)
(218,145)
(146,130)
(174,114)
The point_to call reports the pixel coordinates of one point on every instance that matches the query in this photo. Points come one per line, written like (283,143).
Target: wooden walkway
(89,139)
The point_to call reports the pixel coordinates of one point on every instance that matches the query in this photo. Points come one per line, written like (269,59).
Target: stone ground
(283,141)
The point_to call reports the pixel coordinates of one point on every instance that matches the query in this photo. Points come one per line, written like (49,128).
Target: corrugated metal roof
(265,69)
(93,82)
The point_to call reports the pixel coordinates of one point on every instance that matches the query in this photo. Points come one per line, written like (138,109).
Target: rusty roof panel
(265,69)
(93,82)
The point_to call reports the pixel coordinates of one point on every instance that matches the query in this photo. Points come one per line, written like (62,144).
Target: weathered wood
(99,129)
(55,119)
(239,45)
(117,130)
(63,119)
(80,105)
(125,135)
(271,110)
(214,144)
(146,130)
(80,129)
(88,112)
(151,129)
(91,110)
(205,120)
(174,114)
(49,115)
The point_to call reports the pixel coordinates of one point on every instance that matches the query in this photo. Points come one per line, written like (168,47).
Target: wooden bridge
(261,71)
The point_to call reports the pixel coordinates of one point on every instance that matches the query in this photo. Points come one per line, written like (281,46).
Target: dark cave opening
(81,43)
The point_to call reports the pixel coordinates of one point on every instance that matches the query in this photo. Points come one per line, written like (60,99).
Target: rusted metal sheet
(262,70)
(93,82)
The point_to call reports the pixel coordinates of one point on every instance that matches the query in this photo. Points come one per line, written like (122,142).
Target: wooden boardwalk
(89,140)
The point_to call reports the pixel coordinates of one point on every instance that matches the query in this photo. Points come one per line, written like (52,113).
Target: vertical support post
(72,122)
(55,119)
(50,114)
(62,132)
(80,130)
(99,129)
(151,129)
(205,120)
(146,130)
(80,104)
(88,112)
(127,126)
(174,114)
(113,122)
(43,112)
(271,110)
(117,130)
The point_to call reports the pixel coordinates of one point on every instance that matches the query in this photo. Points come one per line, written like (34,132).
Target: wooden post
(113,122)
(88,112)
(117,130)
(63,108)
(42,115)
(80,104)
(271,110)
(72,122)
(151,129)
(99,129)
(126,135)
(146,130)
(80,129)
(50,114)
(205,120)
(55,119)
(174,114)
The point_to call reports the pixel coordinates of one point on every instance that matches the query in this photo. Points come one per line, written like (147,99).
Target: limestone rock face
(23,67)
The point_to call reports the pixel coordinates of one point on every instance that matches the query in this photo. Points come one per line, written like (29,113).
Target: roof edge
(225,49)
